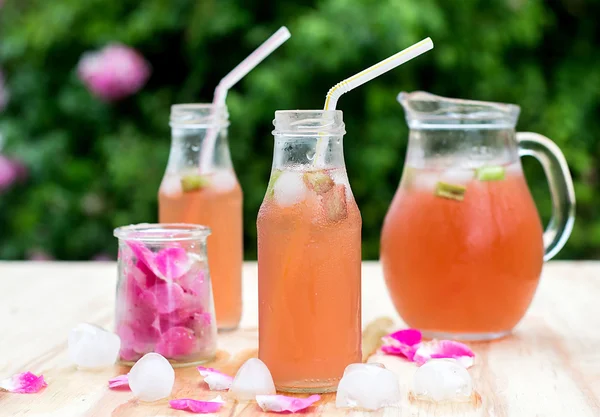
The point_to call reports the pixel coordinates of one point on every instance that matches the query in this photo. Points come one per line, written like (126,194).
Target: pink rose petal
(23,383)
(403,343)
(196,406)
(169,297)
(168,264)
(217,381)
(444,349)
(121,381)
(193,281)
(172,263)
(137,338)
(176,342)
(281,403)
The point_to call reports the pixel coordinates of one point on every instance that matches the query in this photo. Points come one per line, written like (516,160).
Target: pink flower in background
(114,72)
(11,171)
(4,95)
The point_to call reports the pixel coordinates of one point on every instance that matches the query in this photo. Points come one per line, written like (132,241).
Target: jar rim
(198,115)
(162,232)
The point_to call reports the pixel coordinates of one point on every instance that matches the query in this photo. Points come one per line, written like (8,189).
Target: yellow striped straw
(364,76)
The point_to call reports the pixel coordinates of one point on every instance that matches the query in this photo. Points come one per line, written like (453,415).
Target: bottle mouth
(309,123)
(428,111)
(165,232)
(198,115)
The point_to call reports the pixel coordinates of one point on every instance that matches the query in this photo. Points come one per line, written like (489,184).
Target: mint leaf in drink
(271,187)
(490,173)
(450,191)
(318,181)
(193,182)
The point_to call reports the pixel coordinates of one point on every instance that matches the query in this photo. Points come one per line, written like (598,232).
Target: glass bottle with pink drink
(462,245)
(210,197)
(309,257)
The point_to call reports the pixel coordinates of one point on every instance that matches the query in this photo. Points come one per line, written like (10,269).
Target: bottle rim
(198,115)
(302,123)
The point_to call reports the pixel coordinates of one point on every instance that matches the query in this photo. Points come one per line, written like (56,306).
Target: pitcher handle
(561,188)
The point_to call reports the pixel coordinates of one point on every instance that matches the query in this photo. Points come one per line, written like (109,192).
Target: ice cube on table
(151,378)
(289,188)
(367,385)
(91,346)
(441,380)
(252,379)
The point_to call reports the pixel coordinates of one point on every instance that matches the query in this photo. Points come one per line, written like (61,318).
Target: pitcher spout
(428,111)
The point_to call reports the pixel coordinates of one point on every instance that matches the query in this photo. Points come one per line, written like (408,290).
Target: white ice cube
(423,180)
(457,176)
(442,380)
(171,185)
(151,378)
(91,346)
(223,180)
(289,188)
(367,385)
(252,379)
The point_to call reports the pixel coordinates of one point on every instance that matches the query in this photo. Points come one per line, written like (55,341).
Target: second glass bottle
(210,197)
(309,256)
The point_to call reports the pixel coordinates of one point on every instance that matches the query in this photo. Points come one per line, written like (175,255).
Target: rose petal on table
(23,383)
(282,403)
(196,406)
(173,263)
(217,381)
(120,381)
(402,343)
(441,349)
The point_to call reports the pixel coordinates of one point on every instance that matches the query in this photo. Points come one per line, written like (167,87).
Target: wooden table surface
(549,367)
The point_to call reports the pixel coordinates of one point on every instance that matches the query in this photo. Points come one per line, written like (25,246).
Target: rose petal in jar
(193,282)
(176,342)
(169,297)
(172,263)
(201,324)
(137,338)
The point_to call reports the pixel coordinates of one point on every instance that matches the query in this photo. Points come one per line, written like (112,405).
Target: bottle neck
(301,152)
(188,144)
(308,139)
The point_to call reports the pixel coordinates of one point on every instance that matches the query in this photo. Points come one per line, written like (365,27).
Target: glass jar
(200,187)
(309,256)
(164,300)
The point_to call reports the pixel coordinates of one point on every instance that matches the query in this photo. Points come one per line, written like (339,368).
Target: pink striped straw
(239,72)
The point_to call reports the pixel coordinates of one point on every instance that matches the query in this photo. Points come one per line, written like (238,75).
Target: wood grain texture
(549,367)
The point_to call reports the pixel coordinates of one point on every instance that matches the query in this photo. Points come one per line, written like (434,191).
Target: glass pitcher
(211,197)
(309,256)
(462,244)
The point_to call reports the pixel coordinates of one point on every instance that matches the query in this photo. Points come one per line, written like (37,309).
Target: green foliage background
(94,166)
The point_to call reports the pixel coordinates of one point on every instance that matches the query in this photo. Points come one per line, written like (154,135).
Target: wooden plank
(549,367)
